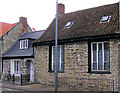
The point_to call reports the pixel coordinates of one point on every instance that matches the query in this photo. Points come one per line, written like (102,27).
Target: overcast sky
(40,13)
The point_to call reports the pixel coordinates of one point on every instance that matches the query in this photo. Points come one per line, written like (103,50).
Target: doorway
(31,71)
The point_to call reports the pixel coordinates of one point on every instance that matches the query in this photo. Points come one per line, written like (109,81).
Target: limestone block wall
(23,68)
(41,64)
(6,67)
(10,38)
(75,73)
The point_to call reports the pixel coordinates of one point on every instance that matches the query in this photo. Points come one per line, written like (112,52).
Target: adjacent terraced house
(19,59)
(88,50)
(9,33)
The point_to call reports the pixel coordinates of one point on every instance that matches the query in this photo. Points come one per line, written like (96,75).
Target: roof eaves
(77,39)
(15,57)
(27,38)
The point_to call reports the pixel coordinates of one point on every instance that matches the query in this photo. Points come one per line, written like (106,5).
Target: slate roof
(15,50)
(86,24)
(32,35)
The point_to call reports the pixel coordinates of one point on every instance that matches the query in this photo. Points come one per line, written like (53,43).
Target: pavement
(38,88)
(32,88)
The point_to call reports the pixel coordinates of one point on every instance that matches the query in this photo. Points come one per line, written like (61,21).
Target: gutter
(63,41)
(15,57)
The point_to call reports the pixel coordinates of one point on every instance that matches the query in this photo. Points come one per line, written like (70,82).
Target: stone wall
(10,38)
(41,64)
(24,69)
(75,73)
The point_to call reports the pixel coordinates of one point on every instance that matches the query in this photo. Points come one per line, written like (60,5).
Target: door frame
(31,71)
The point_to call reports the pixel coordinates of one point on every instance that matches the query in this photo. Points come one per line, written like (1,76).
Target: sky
(40,13)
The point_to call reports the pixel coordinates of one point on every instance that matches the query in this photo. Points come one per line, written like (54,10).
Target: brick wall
(75,73)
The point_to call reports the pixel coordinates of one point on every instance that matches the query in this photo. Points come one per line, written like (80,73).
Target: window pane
(94,46)
(53,57)
(106,56)
(100,46)
(19,67)
(15,67)
(62,57)
(106,66)
(58,57)
(94,56)
(94,66)
(23,44)
(106,47)
(100,60)
(26,43)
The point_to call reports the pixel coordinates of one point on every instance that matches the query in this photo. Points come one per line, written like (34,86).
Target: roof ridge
(91,8)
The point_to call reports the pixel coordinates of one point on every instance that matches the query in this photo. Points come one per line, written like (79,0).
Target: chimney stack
(23,21)
(61,9)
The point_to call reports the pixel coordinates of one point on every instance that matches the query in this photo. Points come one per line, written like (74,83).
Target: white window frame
(17,73)
(69,24)
(105,19)
(22,46)
(97,55)
(17,70)
(60,58)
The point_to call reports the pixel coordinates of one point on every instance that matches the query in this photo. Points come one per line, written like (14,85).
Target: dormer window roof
(69,24)
(24,44)
(105,19)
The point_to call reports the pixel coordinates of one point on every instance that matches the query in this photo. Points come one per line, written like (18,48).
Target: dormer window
(105,19)
(23,44)
(68,25)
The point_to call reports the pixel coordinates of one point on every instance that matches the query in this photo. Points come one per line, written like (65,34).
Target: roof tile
(86,24)
(5,27)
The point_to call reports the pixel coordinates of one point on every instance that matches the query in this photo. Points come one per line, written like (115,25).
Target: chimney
(61,9)
(23,21)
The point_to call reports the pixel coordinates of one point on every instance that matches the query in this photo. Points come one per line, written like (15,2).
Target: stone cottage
(19,58)
(88,50)
(10,33)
